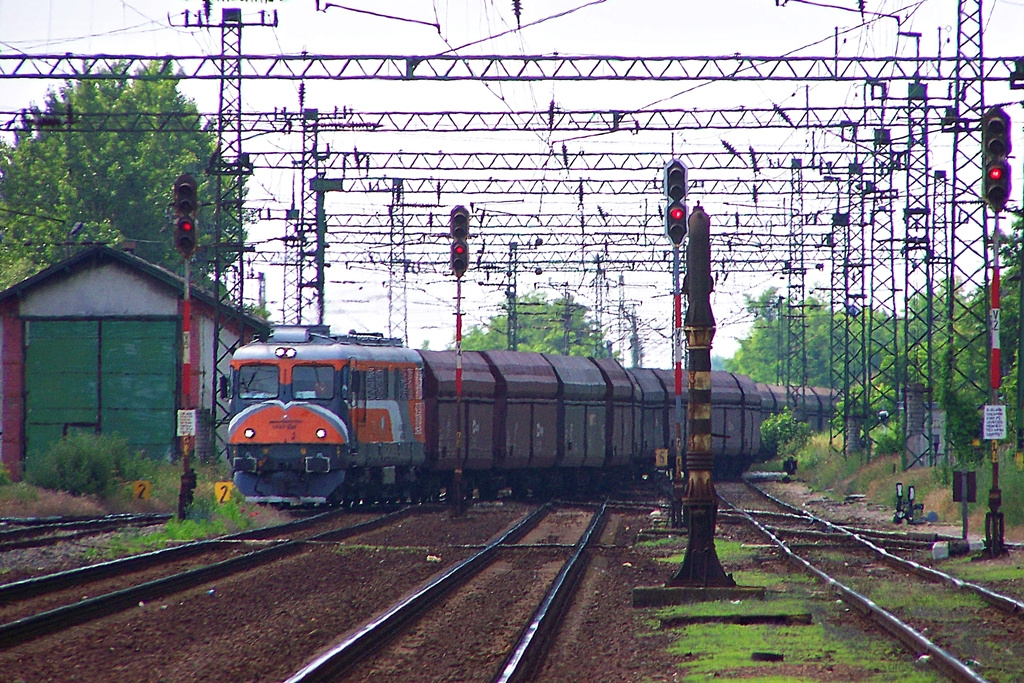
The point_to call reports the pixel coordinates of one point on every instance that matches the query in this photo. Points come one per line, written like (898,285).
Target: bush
(783,435)
(85,463)
(889,439)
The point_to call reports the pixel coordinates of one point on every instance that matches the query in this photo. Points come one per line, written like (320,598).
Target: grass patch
(724,651)
(212,520)
(342,549)
(666,542)
(741,607)
(964,568)
(727,551)
(835,475)
(948,603)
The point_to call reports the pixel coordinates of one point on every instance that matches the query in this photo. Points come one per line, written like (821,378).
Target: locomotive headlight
(249,432)
(321,433)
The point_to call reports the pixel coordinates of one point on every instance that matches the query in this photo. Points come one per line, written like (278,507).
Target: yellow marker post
(222,489)
(661,457)
(141,489)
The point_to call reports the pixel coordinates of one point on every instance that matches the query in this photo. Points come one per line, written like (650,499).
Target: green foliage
(206,519)
(116,183)
(5,476)
(888,439)
(541,328)
(761,354)
(783,435)
(87,464)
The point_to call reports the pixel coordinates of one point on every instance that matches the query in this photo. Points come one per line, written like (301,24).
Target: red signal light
(459,249)
(995,173)
(676,213)
(185,225)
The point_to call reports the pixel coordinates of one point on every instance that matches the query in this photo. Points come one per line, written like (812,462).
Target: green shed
(95,344)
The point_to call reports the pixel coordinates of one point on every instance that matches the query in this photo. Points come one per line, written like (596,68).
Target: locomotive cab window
(257,381)
(313,381)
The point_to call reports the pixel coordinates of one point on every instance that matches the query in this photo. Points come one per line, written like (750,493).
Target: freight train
(322,419)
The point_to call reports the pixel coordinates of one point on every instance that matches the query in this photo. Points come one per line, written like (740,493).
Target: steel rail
(997,600)
(41,585)
(331,665)
(60,618)
(529,652)
(77,519)
(912,639)
(27,529)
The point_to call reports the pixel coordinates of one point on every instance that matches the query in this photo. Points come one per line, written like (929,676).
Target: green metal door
(109,376)
(138,383)
(61,380)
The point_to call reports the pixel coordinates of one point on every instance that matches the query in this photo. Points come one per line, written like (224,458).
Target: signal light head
(675,180)
(996,185)
(185,237)
(675,222)
(460,258)
(185,195)
(995,133)
(459,223)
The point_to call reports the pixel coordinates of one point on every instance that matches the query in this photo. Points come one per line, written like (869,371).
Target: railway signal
(459,225)
(995,141)
(184,211)
(675,193)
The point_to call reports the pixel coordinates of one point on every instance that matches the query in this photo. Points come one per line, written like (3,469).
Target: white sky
(357,296)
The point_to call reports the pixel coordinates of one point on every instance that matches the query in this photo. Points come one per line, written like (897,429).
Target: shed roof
(102,254)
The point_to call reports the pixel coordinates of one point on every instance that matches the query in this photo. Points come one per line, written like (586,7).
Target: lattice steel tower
(966,331)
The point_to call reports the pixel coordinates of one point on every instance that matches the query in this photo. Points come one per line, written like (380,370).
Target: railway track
(276,620)
(520,559)
(25,532)
(288,584)
(43,605)
(885,585)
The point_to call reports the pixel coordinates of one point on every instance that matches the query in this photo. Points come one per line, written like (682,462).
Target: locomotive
(339,419)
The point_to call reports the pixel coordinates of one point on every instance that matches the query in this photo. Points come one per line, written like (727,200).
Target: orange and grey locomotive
(321,419)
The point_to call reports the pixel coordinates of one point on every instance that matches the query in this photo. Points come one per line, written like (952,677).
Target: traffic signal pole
(677,355)
(994,530)
(188,475)
(459,459)
(185,204)
(675,229)
(459,230)
(996,143)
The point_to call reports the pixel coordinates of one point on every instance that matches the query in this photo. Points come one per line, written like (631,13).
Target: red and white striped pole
(994,530)
(188,476)
(458,397)
(677,355)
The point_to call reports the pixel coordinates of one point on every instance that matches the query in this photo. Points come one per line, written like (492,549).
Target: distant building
(94,344)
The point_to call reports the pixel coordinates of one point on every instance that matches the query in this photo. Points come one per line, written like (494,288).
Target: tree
(75,179)
(761,353)
(560,326)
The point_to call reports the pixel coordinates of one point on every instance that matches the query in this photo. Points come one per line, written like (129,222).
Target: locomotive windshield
(313,381)
(257,381)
